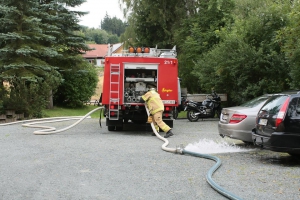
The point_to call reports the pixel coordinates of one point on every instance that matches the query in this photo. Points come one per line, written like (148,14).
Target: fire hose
(46,130)
(181,150)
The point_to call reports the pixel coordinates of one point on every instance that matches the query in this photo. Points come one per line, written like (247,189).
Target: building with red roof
(99,52)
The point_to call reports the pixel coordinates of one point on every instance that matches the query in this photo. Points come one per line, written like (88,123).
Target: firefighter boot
(168,134)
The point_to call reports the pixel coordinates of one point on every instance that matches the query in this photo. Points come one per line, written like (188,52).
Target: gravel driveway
(88,162)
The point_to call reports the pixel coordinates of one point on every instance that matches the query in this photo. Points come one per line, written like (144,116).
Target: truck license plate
(263,122)
(169,101)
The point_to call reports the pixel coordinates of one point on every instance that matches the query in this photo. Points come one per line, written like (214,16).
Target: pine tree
(36,45)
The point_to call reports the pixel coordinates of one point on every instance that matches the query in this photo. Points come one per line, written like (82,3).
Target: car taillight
(282,112)
(237,118)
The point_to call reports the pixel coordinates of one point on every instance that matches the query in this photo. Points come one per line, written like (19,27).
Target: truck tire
(139,121)
(119,128)
(111,128)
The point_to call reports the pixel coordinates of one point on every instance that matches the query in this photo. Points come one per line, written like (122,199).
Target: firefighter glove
(150,119)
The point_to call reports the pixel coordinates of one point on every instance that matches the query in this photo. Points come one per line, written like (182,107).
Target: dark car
(278,124)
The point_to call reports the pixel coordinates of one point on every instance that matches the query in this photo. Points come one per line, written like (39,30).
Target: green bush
(28,97)
(78,86)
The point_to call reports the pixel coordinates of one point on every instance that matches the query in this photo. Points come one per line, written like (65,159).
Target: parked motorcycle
(181,107)
(206,109)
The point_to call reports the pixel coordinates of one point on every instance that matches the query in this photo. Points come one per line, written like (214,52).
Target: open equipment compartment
(138,79)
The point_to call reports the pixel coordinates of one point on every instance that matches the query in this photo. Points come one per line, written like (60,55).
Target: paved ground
(88,162)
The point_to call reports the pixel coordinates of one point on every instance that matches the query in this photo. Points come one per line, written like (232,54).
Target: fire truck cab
(129,75)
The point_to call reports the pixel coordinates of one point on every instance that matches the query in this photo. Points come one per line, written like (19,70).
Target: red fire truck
(129,75)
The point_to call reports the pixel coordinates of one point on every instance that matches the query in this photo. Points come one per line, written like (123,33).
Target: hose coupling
(179,149)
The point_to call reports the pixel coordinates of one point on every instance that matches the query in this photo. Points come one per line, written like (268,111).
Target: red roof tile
(100,50)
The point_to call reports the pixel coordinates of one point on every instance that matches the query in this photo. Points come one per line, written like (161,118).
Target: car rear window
(273,105)
(254,102)
(294,108)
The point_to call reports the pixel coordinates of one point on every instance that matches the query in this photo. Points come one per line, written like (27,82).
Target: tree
(37,43)
(248,61)
(113,39)
(78,86)
(23,58)
(97,36)
(289,40)
(153,21)
(189,24)
(112,25)
(198,35)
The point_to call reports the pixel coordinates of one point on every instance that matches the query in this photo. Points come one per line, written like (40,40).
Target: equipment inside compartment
(137,83)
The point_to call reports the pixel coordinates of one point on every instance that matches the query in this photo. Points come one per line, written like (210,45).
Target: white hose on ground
(46,130)
(164,146)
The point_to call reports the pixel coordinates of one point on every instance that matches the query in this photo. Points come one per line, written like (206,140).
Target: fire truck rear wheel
(139,121)
(119,128)
(111,128)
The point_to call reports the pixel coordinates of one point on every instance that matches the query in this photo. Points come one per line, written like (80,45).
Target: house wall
(100,62)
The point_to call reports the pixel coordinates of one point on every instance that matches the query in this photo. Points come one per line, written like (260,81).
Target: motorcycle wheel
(175,113)
(191,116)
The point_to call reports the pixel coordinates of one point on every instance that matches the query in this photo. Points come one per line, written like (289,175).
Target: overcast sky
(97,10)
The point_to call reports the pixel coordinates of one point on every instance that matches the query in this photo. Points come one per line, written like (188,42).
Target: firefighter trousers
(159,122)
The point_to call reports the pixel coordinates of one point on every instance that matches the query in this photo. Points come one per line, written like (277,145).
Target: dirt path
(98,91)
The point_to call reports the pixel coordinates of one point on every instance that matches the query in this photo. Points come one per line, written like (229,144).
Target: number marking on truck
(168,62)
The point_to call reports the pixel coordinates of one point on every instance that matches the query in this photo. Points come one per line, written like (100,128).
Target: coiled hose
(46,130)
(209,179)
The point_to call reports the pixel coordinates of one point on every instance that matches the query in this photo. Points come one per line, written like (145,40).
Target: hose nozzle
(179,148)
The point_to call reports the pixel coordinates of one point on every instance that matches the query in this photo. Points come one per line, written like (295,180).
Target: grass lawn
(182,114)
(62,112)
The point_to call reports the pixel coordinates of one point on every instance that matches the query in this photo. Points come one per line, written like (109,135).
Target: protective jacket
(153,101)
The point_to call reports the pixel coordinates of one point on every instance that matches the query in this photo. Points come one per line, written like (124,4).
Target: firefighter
(156,108)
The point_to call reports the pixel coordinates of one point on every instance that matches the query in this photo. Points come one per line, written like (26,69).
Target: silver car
(237,122)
